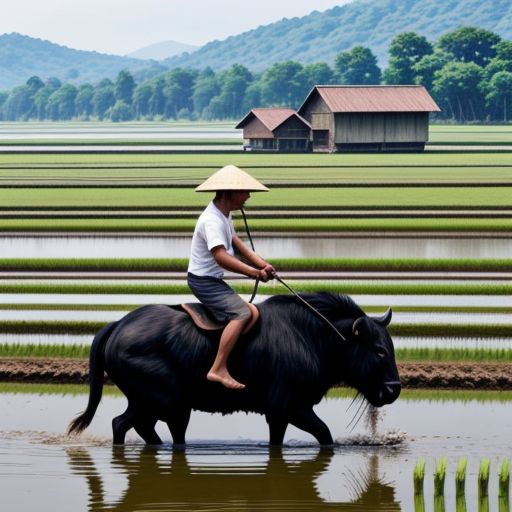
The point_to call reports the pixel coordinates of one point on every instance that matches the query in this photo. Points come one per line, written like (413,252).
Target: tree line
(468,71)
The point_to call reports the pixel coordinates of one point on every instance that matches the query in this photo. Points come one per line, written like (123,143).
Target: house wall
(293,128)
(255,129)
(352,128)
(318,114)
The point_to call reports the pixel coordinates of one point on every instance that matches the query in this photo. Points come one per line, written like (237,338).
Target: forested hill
(22,57)
(320,36)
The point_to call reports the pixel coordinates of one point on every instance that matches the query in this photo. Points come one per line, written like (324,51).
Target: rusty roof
(272,117)
(375,98)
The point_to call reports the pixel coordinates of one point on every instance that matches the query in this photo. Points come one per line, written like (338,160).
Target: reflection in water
(171,480)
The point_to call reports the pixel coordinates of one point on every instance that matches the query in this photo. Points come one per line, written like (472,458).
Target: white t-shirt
(213,228)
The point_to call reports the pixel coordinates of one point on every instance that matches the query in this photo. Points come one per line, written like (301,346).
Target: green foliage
(419,477)
(357,67)
(406,50)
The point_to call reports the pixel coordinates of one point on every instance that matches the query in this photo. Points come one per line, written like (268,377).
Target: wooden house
(368,118)
(275,129)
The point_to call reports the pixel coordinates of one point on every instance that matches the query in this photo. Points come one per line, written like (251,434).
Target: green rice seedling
(504,480)
(419,503)
(460,503)
(74,351)
(439,477)
(483,477)
(460,475)
(419,476)
(439,503)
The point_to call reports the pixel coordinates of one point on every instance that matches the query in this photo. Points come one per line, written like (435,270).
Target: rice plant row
(460,484)
(283,264)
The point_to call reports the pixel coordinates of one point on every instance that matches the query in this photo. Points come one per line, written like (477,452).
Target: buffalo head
(373,370)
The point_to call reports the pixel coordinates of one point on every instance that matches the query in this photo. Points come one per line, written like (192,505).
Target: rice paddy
(449,192)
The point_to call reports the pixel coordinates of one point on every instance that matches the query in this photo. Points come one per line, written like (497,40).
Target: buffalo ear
(357,326)
(385,319)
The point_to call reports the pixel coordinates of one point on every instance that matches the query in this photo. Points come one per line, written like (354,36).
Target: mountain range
(317,37)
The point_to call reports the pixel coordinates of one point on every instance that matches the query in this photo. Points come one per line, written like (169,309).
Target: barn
(368,118)
(275,129)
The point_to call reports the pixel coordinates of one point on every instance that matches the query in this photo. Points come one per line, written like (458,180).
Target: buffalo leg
(307,420)
(178,423)
(277,429)
(121,424)
(146,429)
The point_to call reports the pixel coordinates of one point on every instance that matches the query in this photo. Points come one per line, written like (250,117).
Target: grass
(264,164)
(344,287)
(54,389)
(466,355)
(368,309)
(283,264)
(333,197)
(46,350)
(292,225)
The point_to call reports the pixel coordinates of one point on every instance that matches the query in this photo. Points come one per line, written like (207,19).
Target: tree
(406,49)
(141,100)
(103,98)
(121,111)
(357,67)
(124,86)
(42,95)
(281,84)
(84,101)
(157,100)
(178,91)
(61,103)
(499,97)
(470,44)
(206,87)
(18,105)
(458,86)
(229,103)
(502,61)
(425,69)
(318,73)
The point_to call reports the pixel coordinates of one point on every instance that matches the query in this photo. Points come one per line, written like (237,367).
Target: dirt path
(491,376)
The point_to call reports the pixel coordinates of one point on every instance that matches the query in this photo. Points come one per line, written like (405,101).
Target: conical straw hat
(231,178)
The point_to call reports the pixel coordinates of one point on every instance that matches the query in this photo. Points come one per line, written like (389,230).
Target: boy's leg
(219,370)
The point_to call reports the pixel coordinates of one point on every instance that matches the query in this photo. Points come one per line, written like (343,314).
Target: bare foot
(225,379)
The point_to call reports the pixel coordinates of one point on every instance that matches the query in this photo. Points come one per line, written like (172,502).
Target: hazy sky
(123,26)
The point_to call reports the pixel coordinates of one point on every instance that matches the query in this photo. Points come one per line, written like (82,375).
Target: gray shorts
(222,301)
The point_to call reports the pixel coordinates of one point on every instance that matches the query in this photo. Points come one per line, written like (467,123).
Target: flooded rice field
(228,466)
(284,246)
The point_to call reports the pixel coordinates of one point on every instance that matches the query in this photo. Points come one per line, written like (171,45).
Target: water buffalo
(159,359)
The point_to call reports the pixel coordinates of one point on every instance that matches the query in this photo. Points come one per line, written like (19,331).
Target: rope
(291,290)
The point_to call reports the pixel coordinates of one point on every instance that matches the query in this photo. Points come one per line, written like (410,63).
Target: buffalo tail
(96,371)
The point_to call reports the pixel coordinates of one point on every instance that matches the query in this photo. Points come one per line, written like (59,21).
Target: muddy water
(227,464)
(271,247)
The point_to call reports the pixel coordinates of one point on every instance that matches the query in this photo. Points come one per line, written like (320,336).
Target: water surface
(227,464)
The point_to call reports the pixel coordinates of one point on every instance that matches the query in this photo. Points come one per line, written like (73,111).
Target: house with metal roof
(275,129)
(368,118)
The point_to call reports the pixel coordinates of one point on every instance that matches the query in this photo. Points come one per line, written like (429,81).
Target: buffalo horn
(384,319)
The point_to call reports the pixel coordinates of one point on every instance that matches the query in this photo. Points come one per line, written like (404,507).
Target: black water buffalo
(159,359)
